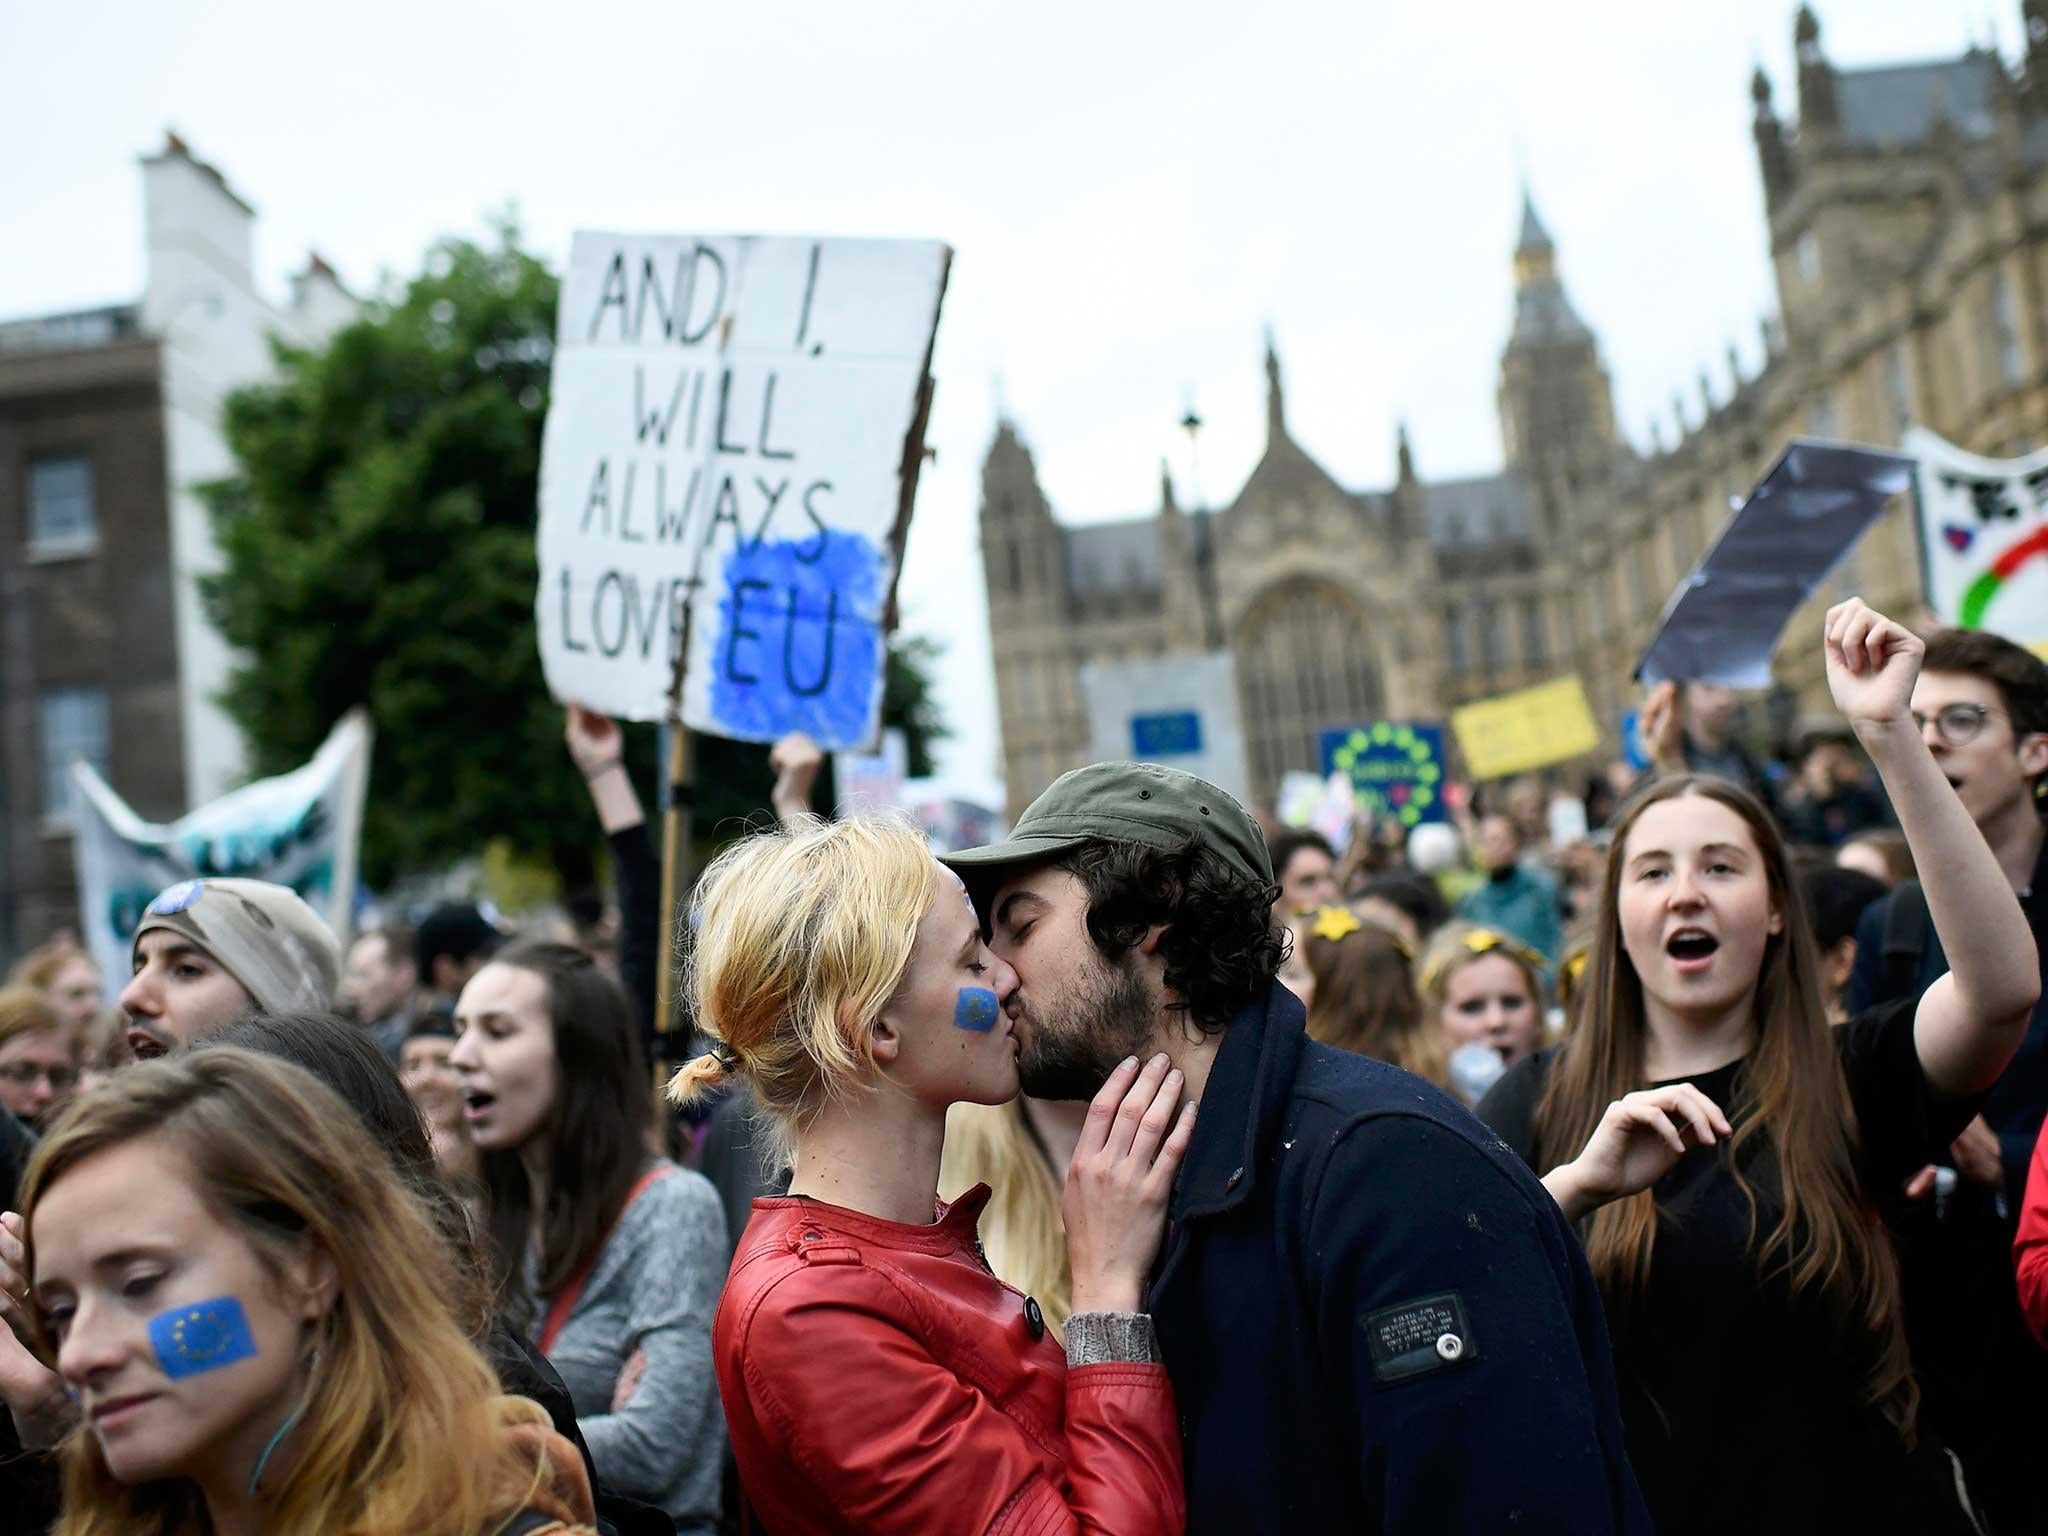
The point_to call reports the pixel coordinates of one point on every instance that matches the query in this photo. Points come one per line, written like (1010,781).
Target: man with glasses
(1982,705)
(38,1056)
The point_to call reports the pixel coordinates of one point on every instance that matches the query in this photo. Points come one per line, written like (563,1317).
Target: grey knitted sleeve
(1106,1338)
(665,1441)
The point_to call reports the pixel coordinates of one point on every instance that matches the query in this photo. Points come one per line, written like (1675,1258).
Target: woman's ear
(885,1043)
(316,1281)
(1775,926)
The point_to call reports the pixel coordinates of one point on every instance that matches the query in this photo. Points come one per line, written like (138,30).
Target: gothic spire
(1276,404)
(1534,236)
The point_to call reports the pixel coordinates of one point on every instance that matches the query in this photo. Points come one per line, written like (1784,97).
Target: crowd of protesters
(1663,1157)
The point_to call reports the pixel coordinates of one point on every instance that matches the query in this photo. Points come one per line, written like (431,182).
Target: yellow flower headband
(1483,941)
(1338,923)
(1333,923)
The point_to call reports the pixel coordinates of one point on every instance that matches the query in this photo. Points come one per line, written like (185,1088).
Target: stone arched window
(1306,663)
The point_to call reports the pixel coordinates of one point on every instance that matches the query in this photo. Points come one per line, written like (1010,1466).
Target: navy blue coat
(1375,1318)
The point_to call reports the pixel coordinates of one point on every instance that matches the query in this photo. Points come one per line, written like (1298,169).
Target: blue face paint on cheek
(976,1010)
(201,1337)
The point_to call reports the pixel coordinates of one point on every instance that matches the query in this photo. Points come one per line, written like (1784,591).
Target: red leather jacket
(2030,1247)
(878,1378)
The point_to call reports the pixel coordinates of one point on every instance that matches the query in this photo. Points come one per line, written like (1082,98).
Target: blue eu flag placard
(1168,735)
(1396,771)
(201,1337)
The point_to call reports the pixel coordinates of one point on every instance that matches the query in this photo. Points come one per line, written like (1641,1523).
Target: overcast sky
(1133,191)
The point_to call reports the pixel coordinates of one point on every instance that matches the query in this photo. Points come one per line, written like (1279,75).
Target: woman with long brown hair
(1363,995)
(252,1316)
(612,1254)
(1726,1152)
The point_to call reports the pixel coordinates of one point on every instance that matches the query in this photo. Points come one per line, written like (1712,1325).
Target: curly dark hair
(1221,946)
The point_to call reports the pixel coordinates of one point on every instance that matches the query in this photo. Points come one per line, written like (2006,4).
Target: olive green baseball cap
(1142,803)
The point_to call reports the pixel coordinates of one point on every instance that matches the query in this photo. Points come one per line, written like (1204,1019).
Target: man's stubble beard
(1073,1048)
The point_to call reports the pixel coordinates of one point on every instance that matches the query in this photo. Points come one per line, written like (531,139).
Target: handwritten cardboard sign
(1525,730)
(727,434)
(1983,537)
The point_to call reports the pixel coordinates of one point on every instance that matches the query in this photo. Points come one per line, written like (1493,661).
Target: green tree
(378,540)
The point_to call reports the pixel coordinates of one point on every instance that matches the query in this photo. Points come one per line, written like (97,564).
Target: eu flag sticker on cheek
(201,1337)
(976,1010)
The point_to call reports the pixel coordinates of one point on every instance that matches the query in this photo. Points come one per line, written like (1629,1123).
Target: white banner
(1984,537)
(727,433)
(1176,710)
(301,829)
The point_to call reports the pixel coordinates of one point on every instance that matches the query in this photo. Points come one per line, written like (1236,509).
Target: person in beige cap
(208,951)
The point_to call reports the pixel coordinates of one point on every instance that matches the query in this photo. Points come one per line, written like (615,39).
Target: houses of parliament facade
(1908,212)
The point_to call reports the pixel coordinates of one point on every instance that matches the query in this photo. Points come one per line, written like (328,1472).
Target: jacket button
(1033,1318)
(1236,1178)
(1450,1347)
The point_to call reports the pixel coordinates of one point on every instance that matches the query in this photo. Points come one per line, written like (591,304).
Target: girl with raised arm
(1726,1151)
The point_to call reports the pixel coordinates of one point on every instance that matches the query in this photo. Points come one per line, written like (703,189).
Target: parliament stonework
(1908,212)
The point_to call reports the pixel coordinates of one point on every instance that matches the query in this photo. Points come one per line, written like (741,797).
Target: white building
(200,299)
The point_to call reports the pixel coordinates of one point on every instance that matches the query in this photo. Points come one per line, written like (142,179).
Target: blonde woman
(877,1377)
(1020,1150)
(1484,987)
(251,1316)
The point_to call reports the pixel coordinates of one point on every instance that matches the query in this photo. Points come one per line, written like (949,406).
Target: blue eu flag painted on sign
(1174,735)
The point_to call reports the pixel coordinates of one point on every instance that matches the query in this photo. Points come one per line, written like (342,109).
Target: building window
(74,726)
(1808,255)
(1898,386)
(1454,640)
(1490,656)
(2005,331)
(60,508)
(1535,638)
(1647,600)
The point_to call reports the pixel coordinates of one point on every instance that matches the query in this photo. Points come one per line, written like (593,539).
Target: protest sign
(1395,771)
(300,829)
(1531,728)
(1176,710)
(1322,805)
(1634,750)
(1723,622)
(1983,537)
(865,782)
(731,425)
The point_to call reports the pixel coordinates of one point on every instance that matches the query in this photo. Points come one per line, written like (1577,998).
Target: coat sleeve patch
(1417,1337)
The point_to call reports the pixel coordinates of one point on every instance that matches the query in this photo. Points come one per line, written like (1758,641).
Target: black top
(2014,1108)
(1375,1319)
(1745,1408)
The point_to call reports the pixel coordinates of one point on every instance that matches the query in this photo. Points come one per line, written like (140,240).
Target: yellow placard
(1528,729)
